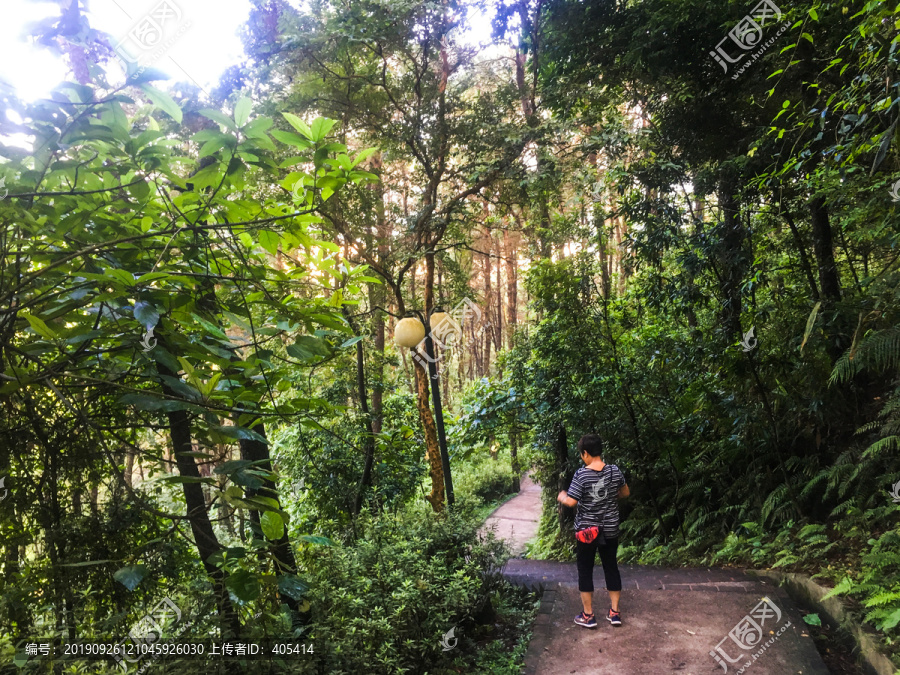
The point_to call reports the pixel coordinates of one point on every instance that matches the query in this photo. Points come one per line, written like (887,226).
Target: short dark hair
(592,444)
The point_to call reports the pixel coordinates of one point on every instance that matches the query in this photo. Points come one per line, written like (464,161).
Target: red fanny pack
(587,535)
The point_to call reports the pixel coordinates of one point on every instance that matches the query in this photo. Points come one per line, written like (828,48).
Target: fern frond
(868,426)
(878,351)
(813,528)
(882,445)
(845,585)
(776,502)
(813,483)
(882,599)
(842,508)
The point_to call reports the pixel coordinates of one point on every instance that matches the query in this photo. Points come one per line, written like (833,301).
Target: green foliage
(877,583)
(488,407)
(115,228)
(482,478)
(324,462)
(385,602)
(878,351)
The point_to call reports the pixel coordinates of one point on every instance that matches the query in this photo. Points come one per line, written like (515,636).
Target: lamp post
(411,332)
(438,411)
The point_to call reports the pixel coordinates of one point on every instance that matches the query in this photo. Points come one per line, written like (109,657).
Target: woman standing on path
(595,489)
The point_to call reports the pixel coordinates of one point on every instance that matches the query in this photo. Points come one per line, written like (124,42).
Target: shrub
(483,478)
(384,604)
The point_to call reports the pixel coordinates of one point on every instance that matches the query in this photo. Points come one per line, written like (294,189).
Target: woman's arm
(564,498)
(624,491)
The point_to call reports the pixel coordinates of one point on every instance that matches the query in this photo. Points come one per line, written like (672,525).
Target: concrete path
(674,631)
(673,618)
(517,520)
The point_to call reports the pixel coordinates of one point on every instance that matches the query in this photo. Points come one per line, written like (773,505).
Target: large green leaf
(312,539)
(242,111)
(308,347)
(243,585)
(219,117)
(292,586)
(187,479)
(163,101)
(299,125)
(810,322)
(146,314)
(321,127)
(272,525)
(39,327)
(147,75)
(269,241)
(155,403)
(131,575)
(221,556)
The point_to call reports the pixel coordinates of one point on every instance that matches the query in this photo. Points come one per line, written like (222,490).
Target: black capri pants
(584,559)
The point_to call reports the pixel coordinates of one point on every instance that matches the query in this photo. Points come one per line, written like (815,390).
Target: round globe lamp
(444,327)
(409,332)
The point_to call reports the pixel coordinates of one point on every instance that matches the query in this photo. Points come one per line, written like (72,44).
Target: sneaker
(586,620)
(614,618)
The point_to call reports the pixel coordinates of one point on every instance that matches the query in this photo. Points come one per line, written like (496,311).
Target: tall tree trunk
(514,458)
(197,516)
(732,260)
(488,299)
(824,249)
(602,244)
(432,448)
(619,225)
(432,451)
(512,286)
(498,331)
(528,97)
(226,513)
(378,367)
(804,259)
(379,293)
(608,272)
(129,466)
(693,292)
(255,450)
(445,382)
(829,282)
(369,445)
(373,418)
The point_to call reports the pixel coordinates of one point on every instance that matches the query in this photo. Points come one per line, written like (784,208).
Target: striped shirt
(597,493)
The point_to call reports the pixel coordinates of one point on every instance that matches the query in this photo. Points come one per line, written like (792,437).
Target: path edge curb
(807,592)
(540,632)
